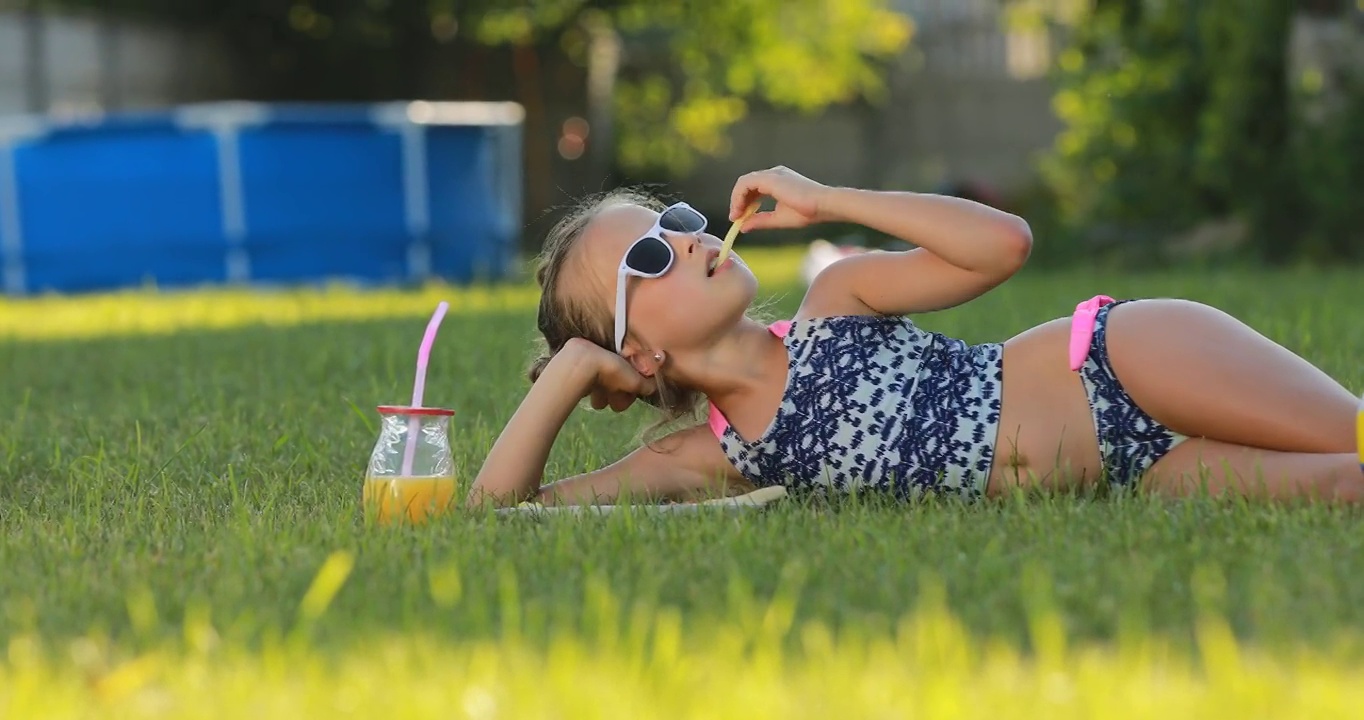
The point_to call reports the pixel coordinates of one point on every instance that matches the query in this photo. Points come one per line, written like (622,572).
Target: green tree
(1130,91)
(1179,113)
(699,64)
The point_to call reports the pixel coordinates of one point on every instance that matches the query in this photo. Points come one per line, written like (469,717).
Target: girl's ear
(647,363)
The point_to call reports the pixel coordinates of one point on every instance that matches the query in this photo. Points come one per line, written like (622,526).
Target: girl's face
(684,310)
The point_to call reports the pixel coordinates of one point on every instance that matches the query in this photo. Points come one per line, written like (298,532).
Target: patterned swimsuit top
(875,402)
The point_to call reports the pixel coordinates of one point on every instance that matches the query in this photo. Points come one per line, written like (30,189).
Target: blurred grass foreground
(647,667)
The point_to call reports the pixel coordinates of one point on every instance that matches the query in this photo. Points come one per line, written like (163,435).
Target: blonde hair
(562,315)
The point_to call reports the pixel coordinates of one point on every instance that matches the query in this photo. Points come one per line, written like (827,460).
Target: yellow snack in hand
(733,234)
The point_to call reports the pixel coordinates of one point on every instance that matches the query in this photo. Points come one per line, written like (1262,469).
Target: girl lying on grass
(1164,394)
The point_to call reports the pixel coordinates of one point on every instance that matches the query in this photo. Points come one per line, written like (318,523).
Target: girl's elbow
(495,494)
(1017,242)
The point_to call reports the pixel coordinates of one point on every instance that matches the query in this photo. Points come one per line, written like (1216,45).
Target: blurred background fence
(1137,130)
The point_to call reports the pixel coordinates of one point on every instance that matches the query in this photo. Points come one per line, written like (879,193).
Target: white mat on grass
(750,501)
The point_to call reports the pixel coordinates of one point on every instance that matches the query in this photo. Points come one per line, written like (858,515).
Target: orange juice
(394,498)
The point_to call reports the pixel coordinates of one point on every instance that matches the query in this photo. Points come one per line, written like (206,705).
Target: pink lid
(400,410)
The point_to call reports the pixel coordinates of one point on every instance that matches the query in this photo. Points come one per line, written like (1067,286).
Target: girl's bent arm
(964,250)
(685,463)
(513,469)
(689,460)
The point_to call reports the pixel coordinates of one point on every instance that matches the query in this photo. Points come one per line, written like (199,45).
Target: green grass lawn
(176,472)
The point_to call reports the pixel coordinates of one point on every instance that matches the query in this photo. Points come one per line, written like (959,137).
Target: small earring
(658,357)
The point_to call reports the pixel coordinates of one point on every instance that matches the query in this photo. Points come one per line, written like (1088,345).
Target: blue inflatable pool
(260,194)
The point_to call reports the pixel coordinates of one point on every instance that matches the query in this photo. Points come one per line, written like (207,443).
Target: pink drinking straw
(423,355)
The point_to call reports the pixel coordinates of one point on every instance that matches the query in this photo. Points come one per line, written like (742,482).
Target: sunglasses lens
(682,220)
(650,256)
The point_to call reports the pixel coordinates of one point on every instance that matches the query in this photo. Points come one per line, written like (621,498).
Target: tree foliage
(802,54)
(701,63)
(1177,113)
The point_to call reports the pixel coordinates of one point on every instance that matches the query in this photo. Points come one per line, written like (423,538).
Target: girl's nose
(684,241)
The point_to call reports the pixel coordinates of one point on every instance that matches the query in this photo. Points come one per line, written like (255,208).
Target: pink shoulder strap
(718,423)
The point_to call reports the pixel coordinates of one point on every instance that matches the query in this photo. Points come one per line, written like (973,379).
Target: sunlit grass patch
(151,312)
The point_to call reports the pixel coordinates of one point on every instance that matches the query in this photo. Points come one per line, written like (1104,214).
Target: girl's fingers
(598,399)
(781,217)
(620,402)
(748,189)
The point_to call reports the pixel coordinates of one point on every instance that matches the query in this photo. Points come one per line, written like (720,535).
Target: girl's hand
(611,380)
(798,199)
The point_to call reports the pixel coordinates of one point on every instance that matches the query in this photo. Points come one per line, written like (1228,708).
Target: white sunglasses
(651,256)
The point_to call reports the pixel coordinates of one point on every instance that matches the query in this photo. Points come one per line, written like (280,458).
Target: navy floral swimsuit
(875,402)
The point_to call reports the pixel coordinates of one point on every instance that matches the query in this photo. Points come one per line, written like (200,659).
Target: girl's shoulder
(808,338)
(810,325)
(865,334)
